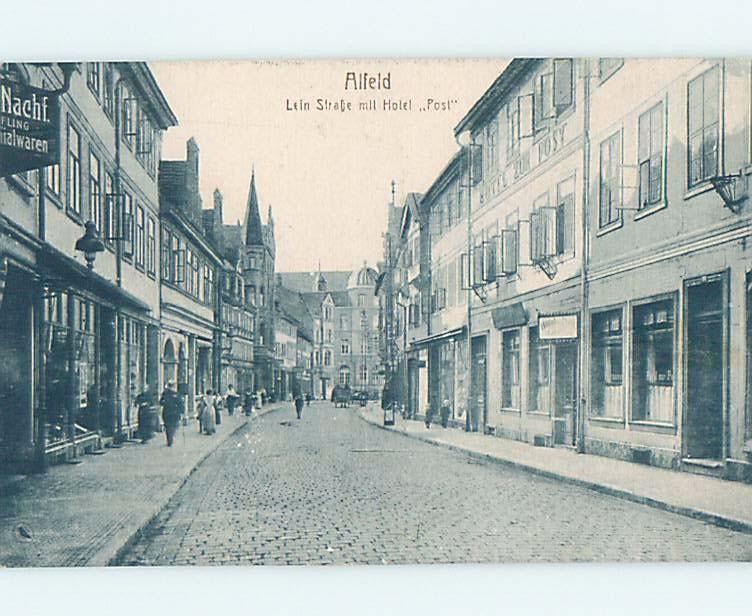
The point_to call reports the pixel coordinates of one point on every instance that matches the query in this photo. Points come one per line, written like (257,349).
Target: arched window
(344,375)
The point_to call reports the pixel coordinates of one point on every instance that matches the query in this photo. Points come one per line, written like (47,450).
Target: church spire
(253,234)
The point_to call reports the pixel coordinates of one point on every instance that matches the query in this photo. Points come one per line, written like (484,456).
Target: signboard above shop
(559,327)
(29,127)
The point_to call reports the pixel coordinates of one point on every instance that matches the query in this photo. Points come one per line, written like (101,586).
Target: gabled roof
(410,212)
(305,282)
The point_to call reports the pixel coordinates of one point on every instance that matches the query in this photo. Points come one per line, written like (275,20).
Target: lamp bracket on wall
(732,189)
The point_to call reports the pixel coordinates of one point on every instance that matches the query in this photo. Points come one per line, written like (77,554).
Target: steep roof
(314,299)
(253,228)
(305,282)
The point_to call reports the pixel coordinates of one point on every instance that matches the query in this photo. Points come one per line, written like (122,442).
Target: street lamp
(465,141)
(90,244)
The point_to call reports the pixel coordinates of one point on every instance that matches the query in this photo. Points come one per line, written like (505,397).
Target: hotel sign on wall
(29,127)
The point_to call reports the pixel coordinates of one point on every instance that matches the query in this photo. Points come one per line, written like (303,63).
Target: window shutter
(489,261)
(563,83)
(509,251)
(477,265)
(525,105)
(464,271)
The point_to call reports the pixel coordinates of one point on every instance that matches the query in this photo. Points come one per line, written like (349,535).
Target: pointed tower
(253,229)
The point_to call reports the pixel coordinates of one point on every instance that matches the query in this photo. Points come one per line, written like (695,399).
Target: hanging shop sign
(29,127)
(557,327)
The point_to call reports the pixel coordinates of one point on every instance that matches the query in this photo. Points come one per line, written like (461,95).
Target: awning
(513,315)
(459,331)
(67,272)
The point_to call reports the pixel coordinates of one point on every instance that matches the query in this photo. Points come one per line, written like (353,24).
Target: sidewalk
(85,514)
(724,503)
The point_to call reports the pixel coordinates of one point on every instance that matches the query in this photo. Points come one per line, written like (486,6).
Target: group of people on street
(208,411)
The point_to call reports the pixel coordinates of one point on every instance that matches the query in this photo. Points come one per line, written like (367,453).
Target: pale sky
(327,174)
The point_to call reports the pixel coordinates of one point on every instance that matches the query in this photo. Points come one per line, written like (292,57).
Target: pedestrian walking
(231,398)
(259,400)
(429,415)
(172,410)
(446,410)
(207,412)
(144,401)
(218,403)
(248,402)
(299,404)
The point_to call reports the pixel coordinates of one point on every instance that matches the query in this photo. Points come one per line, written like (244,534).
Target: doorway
(565,394)
(705,368)
(478,410)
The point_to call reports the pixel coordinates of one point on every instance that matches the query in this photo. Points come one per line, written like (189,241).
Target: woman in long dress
(208,419)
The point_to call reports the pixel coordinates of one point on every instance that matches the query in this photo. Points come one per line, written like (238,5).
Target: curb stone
(708,517)
(124,540)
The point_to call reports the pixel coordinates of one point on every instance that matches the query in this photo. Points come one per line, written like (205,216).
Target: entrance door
(705,374)
(565,394)
(478,383)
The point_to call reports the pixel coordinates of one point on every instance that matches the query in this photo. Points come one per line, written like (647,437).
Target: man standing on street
(172,410)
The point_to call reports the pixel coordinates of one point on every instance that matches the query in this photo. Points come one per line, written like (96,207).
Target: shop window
(703,123)
(610,174)
(539,373)
(653,362)
(650,156)
(510,370)
(607,365)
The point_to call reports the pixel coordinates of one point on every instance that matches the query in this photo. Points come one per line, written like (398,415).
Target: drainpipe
(118,419)
(584,370)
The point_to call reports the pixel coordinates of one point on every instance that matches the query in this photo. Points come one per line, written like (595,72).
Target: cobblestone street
(331,489)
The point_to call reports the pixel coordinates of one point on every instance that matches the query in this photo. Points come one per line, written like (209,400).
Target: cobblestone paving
(331,489)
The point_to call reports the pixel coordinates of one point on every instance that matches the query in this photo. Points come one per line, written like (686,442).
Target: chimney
(218,206)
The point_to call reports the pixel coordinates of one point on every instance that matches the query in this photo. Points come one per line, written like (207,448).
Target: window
(129,116)
(166,256)
(107,92)
(565,217)
(139,236)
(95,191)
(361,300)
(53,179)
(74,170)
(343,323)
(327,313)
(609,194)
(607,365)
(345,347)
(327,358)
(128,231)
(544,100)
(703,123)
(151,245)
(344,375)
(510,369)
(93,75)
(653,362)
(563,84)
(539,373)
(650,153)
(363,373)
(317,358)
(329,336)
(509,255)
(513,128)
(492,160)
(108,209)
(608,66)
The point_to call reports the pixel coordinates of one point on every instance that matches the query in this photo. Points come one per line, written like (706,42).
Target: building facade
(604,259)
(190,267)
(345,318)
(80,343)
(259,284)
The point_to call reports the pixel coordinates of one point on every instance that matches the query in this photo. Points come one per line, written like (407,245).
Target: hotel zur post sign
(29,127)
